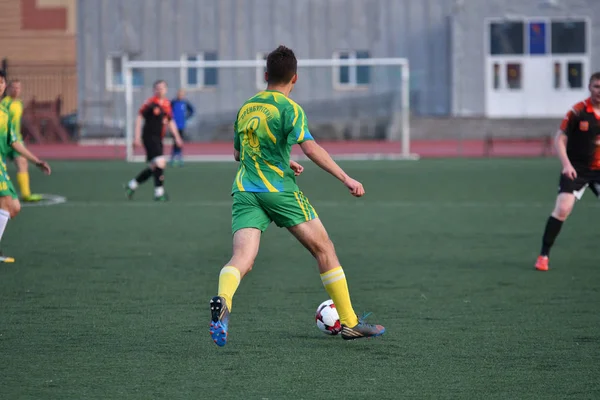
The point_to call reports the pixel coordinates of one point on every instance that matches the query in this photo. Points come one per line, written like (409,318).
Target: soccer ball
(328,320)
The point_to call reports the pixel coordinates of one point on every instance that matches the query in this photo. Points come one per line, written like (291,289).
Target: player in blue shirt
(182,111)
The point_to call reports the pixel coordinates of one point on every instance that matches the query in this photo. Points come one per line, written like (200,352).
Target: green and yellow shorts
(258,210)
(6,186)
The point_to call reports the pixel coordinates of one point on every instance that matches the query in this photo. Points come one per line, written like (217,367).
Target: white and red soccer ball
(328,320)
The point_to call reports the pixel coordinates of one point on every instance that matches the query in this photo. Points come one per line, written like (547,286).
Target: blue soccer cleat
(362,330)
(219,314)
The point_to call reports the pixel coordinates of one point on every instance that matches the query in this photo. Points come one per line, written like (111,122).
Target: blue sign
(537,38)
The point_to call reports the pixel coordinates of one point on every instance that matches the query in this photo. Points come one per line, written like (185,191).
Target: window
(496,76)
(260,72)
(507,38)
(363,72)
(557,75)
(351,77)
(211,75)
(198,78)
(513,76)
(575,78)
(568,37)
(115,76)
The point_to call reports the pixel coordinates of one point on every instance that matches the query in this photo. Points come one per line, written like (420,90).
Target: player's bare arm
(236,155)
(18,146)
(561,149)
(321,157)
(175,133)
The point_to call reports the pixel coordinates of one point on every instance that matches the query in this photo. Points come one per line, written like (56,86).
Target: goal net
(357,108)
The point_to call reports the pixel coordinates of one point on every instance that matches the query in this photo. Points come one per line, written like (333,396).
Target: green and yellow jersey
(267,127)
(15,108)
(7,130)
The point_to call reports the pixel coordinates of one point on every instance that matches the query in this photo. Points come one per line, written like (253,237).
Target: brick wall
(38,40)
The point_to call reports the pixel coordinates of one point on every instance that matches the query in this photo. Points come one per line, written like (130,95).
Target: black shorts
(153,146)
(578,185)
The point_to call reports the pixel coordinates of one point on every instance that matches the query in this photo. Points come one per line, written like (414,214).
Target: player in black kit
(578,148)
(156,115)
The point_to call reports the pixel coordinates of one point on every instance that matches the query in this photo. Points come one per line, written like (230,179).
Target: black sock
(159,177)
(550,233)
(144,175)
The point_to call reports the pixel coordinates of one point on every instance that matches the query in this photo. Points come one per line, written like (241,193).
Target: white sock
(133,184)
(159,191)
(4,217)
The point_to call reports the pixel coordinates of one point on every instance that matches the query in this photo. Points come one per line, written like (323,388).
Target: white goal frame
(402,63)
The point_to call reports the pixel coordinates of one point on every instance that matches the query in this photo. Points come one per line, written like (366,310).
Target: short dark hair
(281,65)
(158,82)
(2,74)
(595,77)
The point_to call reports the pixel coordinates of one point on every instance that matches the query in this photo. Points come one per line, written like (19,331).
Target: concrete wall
(238,29)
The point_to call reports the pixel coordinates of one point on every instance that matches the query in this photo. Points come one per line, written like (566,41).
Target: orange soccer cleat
(542,263)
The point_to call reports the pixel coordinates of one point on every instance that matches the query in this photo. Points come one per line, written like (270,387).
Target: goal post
(397,128)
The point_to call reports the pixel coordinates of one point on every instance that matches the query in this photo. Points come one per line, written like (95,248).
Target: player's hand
(44,166)
(297,168)
(137,142)
(569,172)
(179,142)
(356,188)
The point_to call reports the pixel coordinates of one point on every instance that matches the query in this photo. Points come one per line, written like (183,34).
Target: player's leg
(569,192)
(245,248)
(9,207)
(133,184)
(294,211)
(179,149)
(249,220)
(152,151)
(158,171)
(23,178)
(313,236)
(177,152)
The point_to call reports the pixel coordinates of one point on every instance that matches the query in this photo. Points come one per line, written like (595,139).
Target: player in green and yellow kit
(265,191)
(9,201)
(15,107)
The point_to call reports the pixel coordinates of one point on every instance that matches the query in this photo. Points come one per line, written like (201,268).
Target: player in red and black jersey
(155,115)
(578,148)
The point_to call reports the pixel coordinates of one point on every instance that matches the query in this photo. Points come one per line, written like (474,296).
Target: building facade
(38,45)
(462,53)
(111,30)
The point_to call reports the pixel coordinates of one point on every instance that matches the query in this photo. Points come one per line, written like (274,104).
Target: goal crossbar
(402,63)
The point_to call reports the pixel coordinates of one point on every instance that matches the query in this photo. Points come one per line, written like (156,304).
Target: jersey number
(250,131)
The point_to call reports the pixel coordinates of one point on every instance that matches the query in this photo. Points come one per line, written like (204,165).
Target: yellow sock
(23,180)
(337,288)
(229,280)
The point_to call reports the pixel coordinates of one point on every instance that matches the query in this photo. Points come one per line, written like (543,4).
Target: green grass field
(108,298)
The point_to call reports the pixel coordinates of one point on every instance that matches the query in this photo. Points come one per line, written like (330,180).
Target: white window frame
(260,72)
(109,76)
(201,85)
(352,85)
